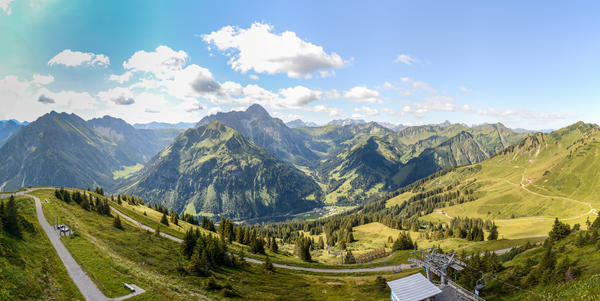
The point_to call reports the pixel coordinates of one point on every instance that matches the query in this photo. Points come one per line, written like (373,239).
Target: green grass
(30,269)
(111,257)
(546,176)
(126,171)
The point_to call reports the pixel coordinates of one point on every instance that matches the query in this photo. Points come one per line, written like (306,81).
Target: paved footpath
(86,286)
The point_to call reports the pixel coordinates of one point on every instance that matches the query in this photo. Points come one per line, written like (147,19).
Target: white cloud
(417,85)
(463,89)
(42,79)
(71,58)
(405,59)
(5,6)
(409,86)
(254,76)
(214,110)
(165,70)
(388,111)
(287,117)
(388,86)
(162,62)
(258,49)
(363,94)
(125,77)
(357,116)
(332,112)
(435,103)
(367,110)
(332,94)
(299,96)
(118,95)
(523,114)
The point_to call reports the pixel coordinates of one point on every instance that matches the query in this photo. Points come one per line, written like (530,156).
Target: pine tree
(117,222)
(547,264)
(302,248)
(273,245)
(493,233)
(268,265)
(11,221)
(321,243)
(381,284)
(242,256)
(164,220)
(257,246)
(85,204)
(174,218)
(349,237)
(198,263)
(189,243)
(157,231)
(560,230)
(349,258)
(403,242)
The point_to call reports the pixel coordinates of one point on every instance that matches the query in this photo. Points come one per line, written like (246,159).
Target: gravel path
(86,286)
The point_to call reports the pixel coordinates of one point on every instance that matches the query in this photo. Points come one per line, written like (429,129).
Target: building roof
(413,288)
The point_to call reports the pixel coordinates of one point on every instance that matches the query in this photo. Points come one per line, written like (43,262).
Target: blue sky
(531,65)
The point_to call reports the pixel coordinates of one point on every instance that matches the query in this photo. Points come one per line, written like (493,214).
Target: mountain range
(9,127)
(213,169)
(62,149)
(241,164)
(163,125)
(525,186)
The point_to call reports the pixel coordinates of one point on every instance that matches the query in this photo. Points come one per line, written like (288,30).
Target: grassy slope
(547,176)
(112,256)
(585,258)
(29,267)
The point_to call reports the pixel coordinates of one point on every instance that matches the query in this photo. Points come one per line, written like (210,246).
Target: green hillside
(523,188)
(111,256)
(30,269)
(217,171)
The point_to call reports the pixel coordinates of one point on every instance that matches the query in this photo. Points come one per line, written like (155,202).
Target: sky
(527,64)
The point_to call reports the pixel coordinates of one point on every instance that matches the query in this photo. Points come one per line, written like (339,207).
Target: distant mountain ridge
(299,123)
(60,149)
(163,125)
(9,127)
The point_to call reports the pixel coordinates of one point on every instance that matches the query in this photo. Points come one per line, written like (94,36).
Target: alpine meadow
(293,150)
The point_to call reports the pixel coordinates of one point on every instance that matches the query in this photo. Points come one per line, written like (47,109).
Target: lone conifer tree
(273,245)
(164,220)
(268,265)
(493,233)
(11,222)
(117,222)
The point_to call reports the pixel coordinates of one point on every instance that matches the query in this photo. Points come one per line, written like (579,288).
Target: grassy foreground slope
(111,256)
(30,269)
(525,187)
